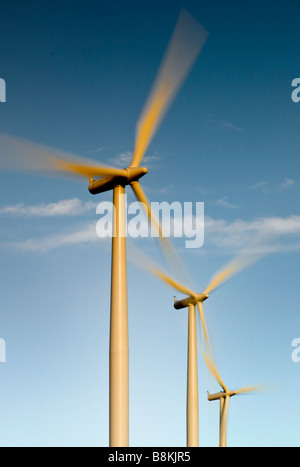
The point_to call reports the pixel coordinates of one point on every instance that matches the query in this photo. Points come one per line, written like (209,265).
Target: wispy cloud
(278,232)
(231,126)
(226,204)
(98,149)
(83,236)
(121,160)
(124,159)
(226,124)
(222,236)
(95,151)
(265,186)
(69,207)
(287,183)
(260,186)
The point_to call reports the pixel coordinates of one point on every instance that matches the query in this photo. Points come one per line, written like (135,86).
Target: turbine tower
(187,41)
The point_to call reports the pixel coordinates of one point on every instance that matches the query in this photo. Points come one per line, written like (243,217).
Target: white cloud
(226,124)
(266,226)
(262,234)
(95,151)
(124,159)
(286,184)
(69,207)
(264,185)
(231,125)
(268,232)
(83,236)
(99,149)
(260,186)
(226,204)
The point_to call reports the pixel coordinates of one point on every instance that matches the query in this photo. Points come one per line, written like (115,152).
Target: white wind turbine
(187,41)
(243,260)
(224,398)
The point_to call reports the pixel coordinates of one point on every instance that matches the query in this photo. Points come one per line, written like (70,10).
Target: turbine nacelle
(221,395)
(191,300)
(131,174)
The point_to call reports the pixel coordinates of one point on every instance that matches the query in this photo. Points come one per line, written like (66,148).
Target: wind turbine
(192,301)
(187,41)
(224,397)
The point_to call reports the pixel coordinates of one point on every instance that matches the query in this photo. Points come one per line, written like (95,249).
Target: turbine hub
(199,298)
(108,183)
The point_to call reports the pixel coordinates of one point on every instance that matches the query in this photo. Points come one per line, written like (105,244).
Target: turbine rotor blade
(141,260)
(209,358)
(172,259)
(172,283)
(18,154)
(185,45)
(221,277)
(142,198)
(204,329)
(247,389)
(88,170)
(249,255)
(213,370)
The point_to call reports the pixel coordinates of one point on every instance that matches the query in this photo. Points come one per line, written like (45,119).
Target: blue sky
(77,76)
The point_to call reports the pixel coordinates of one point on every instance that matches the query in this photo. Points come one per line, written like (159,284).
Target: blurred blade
(204,329)
(249,255)
(221,277)
(172,283)
(17,154)
(88,170)
(141,260)
(185,45)
(212,368)
(172,258)
(248,389)
(141,197)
